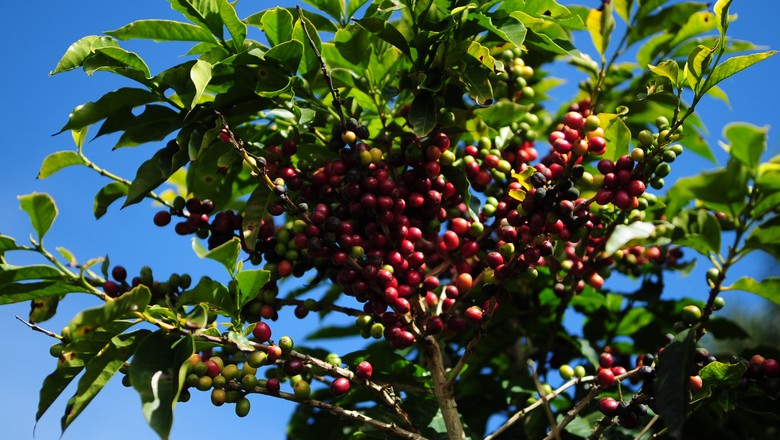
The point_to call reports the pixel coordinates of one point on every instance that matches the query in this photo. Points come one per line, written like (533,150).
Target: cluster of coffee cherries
(622,182)
(764,373)
(658,151)
(627,412)
(231,376)
(161,290)
(219,229)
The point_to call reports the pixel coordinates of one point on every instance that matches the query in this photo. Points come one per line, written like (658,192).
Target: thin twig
(554,430)
(328,78)
(322,306)
(647,427)
(39,329)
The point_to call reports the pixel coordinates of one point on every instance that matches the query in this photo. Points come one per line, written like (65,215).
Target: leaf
(249,284)
(671,384)
(108,195)
(236,28)
(510,29)
(722,190)
(41,209)
(667,69)
(623,9)
(99,370)
(310,65)
(255,211)
(768,288)
(204,13)
(635,319)
(734,65)
(87,321)
(600,24)
(198,317)
(475,77)
(747,143)
(457,176)
(698,61)
(210,292)
(623,234)
(18,292)
(226,254)
(387,32)
(334,8)
(57,161)
(155,171)
(422,114)
(79,51)
(116,58)
(11,274)
(157,372)
(162,30)
(75,355)
(698,229)
(722,16)
(200,74)
(7,244)
(721,375)
(43,309)
(766,237)
(722,328)
(353,6)
(333,332)
(277,24)
(617,134)
(110,103)
(289,54)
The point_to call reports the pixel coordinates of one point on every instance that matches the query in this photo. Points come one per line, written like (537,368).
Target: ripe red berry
(339,387)
(605,378)
(606,360)
(770,368)
(473,314)
(262,331)
(293,367)
(119,273)
(111,288)
(213,368)
(272,385)
(609,406)
(451,240)
(162,218)
(364,370)
(695,383)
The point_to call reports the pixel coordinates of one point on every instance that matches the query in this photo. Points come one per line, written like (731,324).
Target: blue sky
(35,35)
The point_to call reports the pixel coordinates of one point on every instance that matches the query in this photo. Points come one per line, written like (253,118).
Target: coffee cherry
(204,383)
(566,372)
(605,378)
(718,303)
(691,314)
(770,368)
(162,218)
(212,368)
(339,387)
(302,390)
(256,359)
(348,137)
(242,407)
(606,360)
(293,367)
(695,383)
(364,370)
(218,396)
(119,273)
(249,382)
(608,406)
(262,331)
(473,314)
(230,371)
(111,289)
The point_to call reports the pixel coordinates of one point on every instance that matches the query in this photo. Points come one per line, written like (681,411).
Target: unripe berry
(566,372)
(302,390)
(691,314)
(242,407)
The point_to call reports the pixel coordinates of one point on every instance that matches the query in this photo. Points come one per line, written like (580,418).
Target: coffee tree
(399,158)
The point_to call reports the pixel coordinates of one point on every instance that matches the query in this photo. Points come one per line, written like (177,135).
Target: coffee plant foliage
(401,159)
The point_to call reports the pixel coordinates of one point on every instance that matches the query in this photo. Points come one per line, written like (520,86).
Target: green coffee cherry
(566,372)
(242,407)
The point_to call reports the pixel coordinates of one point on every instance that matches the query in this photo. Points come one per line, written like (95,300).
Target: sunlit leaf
(41,209)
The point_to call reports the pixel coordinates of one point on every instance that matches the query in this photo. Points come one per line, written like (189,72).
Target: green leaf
(667,69)
(18,292)
(157,372)
(155,171)
(623,234)
(75,355)
(698,61)
(635,319)
(200,74)
(198,317)
(768,288)
(766,237)
(57,161)
(475,77)
(99,370)
(204,13)
(110,103)
(333,332)
(11,274)
(43,309)
(600,24)
(721,375)
(310,65)
(210,292)
(289,54)
(162,30)
(79,51)
(41,209)
(722,16)
(353,6)
(334,8)
(154,124)
(734,65)
(747,143)
(423,112)
(115,58)
(233,24)
(699,230)
(249,284)
(254,212)
(108,195)
(623,9)
(671,384)
(617,134)
(226,254)
(277,24)
(387,32)
(723,328)
(86,321)
(722,190)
